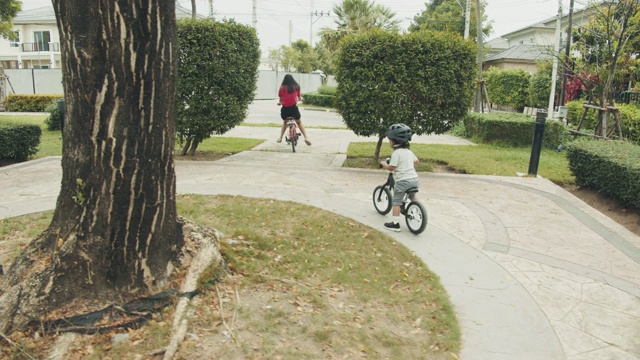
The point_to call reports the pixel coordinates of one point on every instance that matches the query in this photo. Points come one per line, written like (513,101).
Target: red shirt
(288,99)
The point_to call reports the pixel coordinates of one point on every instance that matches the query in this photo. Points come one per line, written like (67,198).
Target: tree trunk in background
(114,230)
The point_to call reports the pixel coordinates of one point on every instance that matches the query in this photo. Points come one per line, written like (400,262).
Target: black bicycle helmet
(400,133)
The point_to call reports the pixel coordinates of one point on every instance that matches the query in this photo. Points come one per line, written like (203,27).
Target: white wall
(49,81)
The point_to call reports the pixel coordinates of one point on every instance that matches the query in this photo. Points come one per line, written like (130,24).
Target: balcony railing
(39,47)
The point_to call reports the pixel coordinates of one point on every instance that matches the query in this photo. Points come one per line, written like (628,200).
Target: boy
(402,163)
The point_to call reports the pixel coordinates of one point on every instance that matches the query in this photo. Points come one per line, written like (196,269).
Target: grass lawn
(211,149)
(321,287)
(480,159)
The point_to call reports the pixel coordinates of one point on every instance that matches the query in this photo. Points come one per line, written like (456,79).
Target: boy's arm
(386,166)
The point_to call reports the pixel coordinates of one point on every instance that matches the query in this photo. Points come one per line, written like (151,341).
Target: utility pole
(254,15)
(467,19)
(554,71)
(290,32)
(211,9)
(565,68)
(479,103)
(311,22)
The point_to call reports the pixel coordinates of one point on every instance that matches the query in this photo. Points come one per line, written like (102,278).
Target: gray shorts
(401,187)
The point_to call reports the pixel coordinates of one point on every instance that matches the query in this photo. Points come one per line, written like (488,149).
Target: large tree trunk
(114,231)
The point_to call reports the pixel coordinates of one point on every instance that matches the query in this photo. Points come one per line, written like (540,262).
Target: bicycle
(293,135)
(414,212)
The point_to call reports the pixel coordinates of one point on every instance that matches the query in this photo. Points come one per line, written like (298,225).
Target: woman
(289,94)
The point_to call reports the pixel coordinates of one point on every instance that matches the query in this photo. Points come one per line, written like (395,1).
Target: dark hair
(290,83)
(397,145)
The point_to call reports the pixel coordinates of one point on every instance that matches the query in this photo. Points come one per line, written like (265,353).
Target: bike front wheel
(416,217)
(382,199)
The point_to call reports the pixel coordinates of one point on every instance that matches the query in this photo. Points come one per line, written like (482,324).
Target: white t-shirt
(403,160)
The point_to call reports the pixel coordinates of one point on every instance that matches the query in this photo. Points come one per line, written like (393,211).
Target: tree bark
(114,230)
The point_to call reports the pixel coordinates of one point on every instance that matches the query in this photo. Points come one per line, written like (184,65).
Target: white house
(523,47)
(38,43)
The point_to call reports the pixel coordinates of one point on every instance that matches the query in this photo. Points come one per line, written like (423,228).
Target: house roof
(47,15)
(521,52)
(550,23)
(39,15)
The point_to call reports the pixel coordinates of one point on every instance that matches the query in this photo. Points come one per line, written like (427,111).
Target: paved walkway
(533,272)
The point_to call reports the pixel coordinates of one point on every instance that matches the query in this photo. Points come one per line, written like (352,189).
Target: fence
(49,81)
(33,81)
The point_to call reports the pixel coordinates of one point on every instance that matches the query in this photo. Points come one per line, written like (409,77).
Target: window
(41,40)
(15,42)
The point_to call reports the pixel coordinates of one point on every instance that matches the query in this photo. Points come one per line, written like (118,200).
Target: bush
(540,85)
(610,167)
(319,99)
(508,87)
(575,111)
(328,90)
(512,129)
(217,76)
(53,121)
(630,122)
(18,142)
(30,103)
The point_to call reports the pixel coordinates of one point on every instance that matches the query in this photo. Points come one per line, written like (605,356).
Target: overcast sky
(278,20)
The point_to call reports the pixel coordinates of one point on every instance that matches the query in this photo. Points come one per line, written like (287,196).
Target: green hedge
(508,86)
(511,129)
(319,99)
(30,103)
(610,167)
(18,142)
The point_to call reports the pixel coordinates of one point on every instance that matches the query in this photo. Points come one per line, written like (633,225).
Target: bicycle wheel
(292,136)
(416,217)
(382,199)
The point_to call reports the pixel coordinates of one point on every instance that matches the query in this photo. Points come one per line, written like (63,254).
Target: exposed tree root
(200,250)
(206,241)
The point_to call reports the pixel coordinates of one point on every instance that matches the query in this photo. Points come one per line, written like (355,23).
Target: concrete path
(533,272)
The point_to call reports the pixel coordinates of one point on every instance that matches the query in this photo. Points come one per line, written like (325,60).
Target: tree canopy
(8,10)
(449,15)
(354,16)
(611,36)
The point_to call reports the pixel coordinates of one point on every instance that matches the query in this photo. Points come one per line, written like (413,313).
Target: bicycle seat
(412,190)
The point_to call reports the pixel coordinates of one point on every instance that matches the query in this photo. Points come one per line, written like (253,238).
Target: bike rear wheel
(293,137)
(416,217)
(382,199)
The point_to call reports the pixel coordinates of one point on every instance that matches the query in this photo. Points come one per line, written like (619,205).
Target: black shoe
(393,226)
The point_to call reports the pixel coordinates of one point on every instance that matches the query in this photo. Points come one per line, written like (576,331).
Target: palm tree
(355,16)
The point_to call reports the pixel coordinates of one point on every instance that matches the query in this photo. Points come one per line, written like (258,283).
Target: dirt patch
(627,216)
